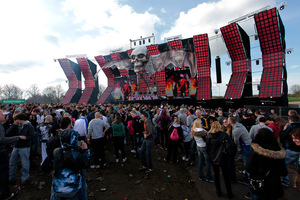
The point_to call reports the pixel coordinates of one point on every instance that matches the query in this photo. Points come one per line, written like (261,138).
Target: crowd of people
(62,135)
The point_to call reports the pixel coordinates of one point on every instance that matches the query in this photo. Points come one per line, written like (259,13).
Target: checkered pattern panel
(105,94)
(65,65)
(273,60)
(203,71)
(201,50)
(233,42)
(241,65)
(115,56)
(268,31)
(100,60)
(87,74)
(204,88)
(107,72)
(161,82)
(147,78)
(176,44)
(236,85)
(271,82)
(129,52)
(153,49)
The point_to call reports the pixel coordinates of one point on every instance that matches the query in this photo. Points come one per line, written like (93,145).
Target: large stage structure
(179,71)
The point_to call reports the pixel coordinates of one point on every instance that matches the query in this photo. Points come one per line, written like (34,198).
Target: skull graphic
(139,58)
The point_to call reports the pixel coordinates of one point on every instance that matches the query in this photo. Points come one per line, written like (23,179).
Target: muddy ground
(121,181)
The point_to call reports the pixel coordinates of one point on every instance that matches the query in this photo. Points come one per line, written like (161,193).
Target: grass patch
(294,99)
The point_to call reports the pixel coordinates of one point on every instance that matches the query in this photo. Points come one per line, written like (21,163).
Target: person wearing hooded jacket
(21,126)
(266,160)
(69,180)
(174,144)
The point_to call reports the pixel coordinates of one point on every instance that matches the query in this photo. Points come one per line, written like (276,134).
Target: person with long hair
(214,148)
(118,137)
(199,134)
(266,160)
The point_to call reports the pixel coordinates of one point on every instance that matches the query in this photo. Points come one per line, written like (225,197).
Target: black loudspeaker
(218,70)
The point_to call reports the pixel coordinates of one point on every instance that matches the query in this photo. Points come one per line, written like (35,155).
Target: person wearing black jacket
(214,144)
(174,144)
(138,127)
(21,147)
(266,161)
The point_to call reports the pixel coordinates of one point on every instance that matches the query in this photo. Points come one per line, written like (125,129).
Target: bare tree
(295,89)
(11,91)
(101,90)
(59,92)
(33,93)
(49,94)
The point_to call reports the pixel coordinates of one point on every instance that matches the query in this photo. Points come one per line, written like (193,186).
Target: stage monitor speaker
(218,70)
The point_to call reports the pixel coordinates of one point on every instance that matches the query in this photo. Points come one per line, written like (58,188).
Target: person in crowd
(138,128)
(190,118)
(118,138)
(157,126)
(214,143)
(182,115)
(261,124)
(70,162)
(247,121)
(97,140)
(266,161)
(211,118)
(20,127)
(81,126)
(146,148)
(66,114)
(5,192)
(241,138)
(292,150)
(199,134)
(271,123)
(45,131)
(174,144)
(164,121)
(221,117)
(186,141)
(272,113)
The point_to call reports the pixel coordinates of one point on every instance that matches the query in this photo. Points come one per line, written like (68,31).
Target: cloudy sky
(35,32)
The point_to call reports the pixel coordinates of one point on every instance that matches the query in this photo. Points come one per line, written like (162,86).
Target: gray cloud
(52,40)
(57,81)
(19,65)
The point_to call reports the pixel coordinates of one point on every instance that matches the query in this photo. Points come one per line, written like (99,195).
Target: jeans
(202,154)
(245,153)
(137,143)
(24,153)
(146,150)
(193,151)
(291,156)
(36,143)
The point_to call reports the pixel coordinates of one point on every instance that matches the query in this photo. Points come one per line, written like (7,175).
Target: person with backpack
(70,162)
(164,120)
(175,136)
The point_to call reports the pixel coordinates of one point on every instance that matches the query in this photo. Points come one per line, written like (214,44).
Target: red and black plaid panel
(204,88)
(176,44)
(65,65)
(129,52)
(201,50)
(115,56)
(123,72)
(203,71)
(268,31)
(273,60)
(271,83)
(153,49)
(147,78)
(105,94)
(85,69)
(68,96)
(161,82)
(236,85)
(240,65)
(100,60)
(233,42)
(85,95)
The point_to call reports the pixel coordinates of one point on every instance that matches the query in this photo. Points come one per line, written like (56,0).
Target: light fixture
(282,5)
(289,50)
(216,31)
(257,61)
(228,63)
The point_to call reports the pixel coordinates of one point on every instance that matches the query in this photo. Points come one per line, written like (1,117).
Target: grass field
(294,99)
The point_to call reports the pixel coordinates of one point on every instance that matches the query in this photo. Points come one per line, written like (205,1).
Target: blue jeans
(245,153)
(24,153)
(137,144)
(291,156)
(146,150)
(202,154)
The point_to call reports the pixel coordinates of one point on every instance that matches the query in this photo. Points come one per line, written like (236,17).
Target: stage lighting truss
(269,32)
(233,42)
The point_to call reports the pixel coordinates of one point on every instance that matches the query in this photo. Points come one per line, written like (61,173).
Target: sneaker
(132,151)
(248,195)
(142,168)
(11,196)
(124,159)
(185,158)
(92,166)
(149,170)
(287,185)
(201,179)
(117,160)
(97,166)
(210,180)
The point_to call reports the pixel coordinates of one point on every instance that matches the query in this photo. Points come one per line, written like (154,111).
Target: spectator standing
(118,137)
(164,120)
(261,124)
(81,126)
(44,130)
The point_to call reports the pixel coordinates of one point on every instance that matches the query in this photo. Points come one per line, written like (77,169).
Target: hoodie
(22,129)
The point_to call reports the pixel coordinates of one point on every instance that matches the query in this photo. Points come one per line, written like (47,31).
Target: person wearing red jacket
(274,126)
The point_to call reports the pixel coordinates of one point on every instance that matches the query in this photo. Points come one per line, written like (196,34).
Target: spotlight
(228,63)
(282,5)
(257,62)
(289,51)
(216,31)
(255,37)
